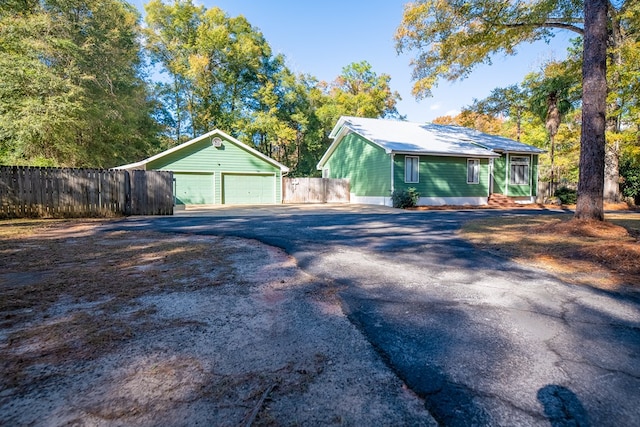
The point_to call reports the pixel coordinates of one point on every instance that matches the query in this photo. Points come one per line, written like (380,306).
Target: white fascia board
(133,166)
(439,154)
(336,140)
(337,128)
(282,167)
(540,151)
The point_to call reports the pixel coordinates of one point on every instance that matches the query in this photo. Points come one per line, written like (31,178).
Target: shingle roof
(409,137)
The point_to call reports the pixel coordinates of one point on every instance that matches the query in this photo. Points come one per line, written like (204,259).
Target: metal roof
(396,136)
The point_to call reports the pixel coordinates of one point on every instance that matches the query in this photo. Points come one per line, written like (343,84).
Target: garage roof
(142,164)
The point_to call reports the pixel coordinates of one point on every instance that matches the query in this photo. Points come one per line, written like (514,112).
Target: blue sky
(321,37)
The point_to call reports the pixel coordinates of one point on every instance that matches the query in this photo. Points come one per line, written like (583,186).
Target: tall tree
(72,92)
(170,39)
(454,37)
(509,102)
(217,64)
(551,97)
(358,91)
(594,109)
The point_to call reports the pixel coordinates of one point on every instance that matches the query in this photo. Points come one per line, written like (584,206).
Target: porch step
(502,201)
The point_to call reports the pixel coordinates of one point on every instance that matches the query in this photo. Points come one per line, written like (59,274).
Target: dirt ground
(604,255)
(140,328)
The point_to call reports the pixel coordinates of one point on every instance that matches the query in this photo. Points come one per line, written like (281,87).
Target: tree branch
(560,25)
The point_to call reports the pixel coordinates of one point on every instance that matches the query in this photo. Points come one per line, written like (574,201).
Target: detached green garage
(216,168)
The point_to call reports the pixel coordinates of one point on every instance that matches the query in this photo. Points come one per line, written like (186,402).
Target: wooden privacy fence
(65,192)
(315,190)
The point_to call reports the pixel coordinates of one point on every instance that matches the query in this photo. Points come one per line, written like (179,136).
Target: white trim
(507,172)
(281,200)
(370,200)
(187,171)
(531,199)
(229,138)
(337,139)
(454,201)
(490,183)
(530,175)
(274,174)
(464,155)
(393,180)
(473,182)
(528,165)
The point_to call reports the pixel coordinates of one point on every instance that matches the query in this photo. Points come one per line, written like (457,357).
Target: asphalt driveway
(483,340)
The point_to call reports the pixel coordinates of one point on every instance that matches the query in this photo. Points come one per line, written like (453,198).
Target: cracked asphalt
(483,340)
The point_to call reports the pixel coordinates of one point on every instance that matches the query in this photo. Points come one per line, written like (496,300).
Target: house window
(473,171)
(519,170)
(411,165)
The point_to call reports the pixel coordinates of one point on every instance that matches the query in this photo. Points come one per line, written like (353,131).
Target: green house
(216,168)
(448,165)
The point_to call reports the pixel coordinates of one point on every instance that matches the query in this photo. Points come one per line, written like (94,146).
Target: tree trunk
(594,106)
(552,184)
(611,173)
(612,154)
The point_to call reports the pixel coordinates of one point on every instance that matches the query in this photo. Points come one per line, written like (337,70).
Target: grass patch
(600,254)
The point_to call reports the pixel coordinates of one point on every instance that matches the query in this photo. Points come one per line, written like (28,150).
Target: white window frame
(476,164)
(521,161)
(414,178)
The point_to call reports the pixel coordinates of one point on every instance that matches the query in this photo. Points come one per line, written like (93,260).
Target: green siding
(443,177)
(500,178)
(499,174)
(202,157)
(366,165)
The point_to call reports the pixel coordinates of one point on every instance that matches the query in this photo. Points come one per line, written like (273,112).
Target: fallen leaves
(601,254)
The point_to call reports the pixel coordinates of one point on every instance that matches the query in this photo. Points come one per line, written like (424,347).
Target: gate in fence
(315,190)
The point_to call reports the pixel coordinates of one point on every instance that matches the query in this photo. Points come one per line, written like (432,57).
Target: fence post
(127,193)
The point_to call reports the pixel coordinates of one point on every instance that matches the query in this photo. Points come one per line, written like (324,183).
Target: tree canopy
(82,83)
(451,38)
(222,74)
(72,91)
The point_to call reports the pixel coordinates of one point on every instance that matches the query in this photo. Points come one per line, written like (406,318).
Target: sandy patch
(144,329)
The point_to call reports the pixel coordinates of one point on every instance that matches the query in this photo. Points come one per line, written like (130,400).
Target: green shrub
(405,198)
(630,174)
(566,195)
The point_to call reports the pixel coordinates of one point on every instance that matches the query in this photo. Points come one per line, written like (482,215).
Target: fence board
(56,192)
(315,190)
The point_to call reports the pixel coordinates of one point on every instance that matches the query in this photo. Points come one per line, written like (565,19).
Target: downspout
(507,170)
(392,174)
(490,183)
(282,175)
(530,176)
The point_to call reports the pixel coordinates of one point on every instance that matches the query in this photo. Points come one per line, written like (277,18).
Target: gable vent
(216,142)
